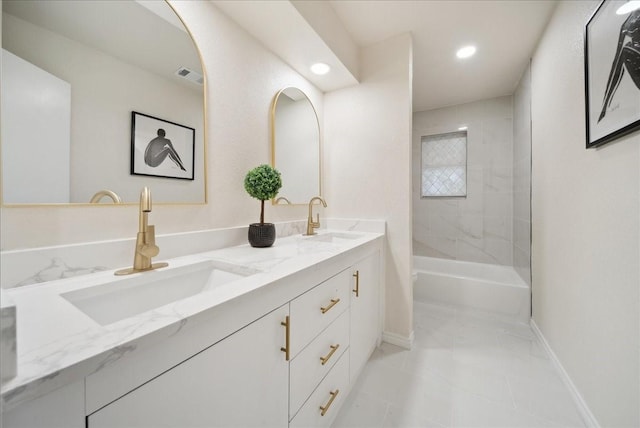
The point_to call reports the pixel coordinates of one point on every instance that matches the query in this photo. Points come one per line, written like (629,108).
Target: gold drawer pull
(324,409)
(331,305)
(334,348)
(357,277)
(287,327)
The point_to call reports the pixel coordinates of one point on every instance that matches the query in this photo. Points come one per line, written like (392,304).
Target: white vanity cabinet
(241,381)
(322,373)
(319,338)
(235,366)
(365,312)
(62,408)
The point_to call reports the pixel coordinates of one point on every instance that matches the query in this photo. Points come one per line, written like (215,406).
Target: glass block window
(444,164)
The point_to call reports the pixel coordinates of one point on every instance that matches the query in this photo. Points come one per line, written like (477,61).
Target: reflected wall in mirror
(295,146)
(72,73)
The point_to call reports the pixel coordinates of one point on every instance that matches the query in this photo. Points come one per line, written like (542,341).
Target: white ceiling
(505,32)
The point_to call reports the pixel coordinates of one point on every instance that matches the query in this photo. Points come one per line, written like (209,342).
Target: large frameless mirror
(73,74)
(295,146)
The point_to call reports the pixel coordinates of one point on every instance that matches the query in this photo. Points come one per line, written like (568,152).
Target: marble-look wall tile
(439,247)
(497,179)
(478,227)
(522,264)
(473,250)
(522,235)
(444,226)
(522,178)
(497,228)
(472,226)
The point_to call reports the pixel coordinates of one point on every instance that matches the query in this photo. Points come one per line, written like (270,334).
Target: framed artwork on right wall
(612,71)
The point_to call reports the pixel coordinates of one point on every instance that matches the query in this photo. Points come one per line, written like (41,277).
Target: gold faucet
(102,193)
(310,223)
(146,247)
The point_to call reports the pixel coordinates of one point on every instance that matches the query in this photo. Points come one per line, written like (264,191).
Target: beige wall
(368,163)
(585,240)
(242,78)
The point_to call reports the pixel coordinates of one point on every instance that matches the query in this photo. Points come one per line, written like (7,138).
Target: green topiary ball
(263,182)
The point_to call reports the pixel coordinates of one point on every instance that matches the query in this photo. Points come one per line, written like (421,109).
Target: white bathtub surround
(465,370)
(478,227)
(59,345)
(497,290)
(522,177)
(8,349)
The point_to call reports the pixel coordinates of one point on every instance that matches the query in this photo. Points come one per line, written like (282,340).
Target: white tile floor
(465,370)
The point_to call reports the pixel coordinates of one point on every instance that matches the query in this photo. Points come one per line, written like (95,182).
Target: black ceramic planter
(262,235)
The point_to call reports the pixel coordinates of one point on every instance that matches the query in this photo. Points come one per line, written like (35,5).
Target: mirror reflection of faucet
(108,193)
(282,199)
(311,225)
(146,247)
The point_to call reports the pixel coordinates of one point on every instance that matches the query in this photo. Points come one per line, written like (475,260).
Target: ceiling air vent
(190,75)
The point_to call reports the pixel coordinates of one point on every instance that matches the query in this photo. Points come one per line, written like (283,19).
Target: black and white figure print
(612,71)
(161,148)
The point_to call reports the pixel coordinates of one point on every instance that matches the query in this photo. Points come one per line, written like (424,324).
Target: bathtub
(492,288)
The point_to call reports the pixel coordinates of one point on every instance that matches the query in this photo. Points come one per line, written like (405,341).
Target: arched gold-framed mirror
(106,60)
(295,146)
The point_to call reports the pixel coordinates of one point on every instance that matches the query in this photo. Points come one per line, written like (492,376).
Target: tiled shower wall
(477,227)
(522,177)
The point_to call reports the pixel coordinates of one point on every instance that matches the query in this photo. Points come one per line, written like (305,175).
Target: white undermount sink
(119,299)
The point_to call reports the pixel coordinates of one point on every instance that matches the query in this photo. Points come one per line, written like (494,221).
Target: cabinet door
(62,408)
(242,381)
(365,312)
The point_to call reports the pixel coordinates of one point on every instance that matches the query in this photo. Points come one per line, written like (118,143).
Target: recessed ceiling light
(628,7)
(320,68)
(466,52)
(462,128)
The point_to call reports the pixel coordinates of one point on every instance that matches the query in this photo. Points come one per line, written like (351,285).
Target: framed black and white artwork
(160,148)
(612,71)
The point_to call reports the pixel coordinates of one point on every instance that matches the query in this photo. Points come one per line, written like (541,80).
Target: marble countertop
(59,344)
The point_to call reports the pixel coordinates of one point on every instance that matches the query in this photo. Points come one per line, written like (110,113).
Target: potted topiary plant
(263,182)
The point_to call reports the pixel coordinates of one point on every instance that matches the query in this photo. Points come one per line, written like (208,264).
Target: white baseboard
(588,418)
(396,339)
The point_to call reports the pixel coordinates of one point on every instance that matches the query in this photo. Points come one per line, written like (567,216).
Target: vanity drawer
(316,360)
(322,406)
(313,311)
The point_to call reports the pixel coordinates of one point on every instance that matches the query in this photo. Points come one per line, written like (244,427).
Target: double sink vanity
(225,334)
(235,336)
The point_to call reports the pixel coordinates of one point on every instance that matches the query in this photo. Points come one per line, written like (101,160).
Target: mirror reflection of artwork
(149,64)
(161,148)
(612,71)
